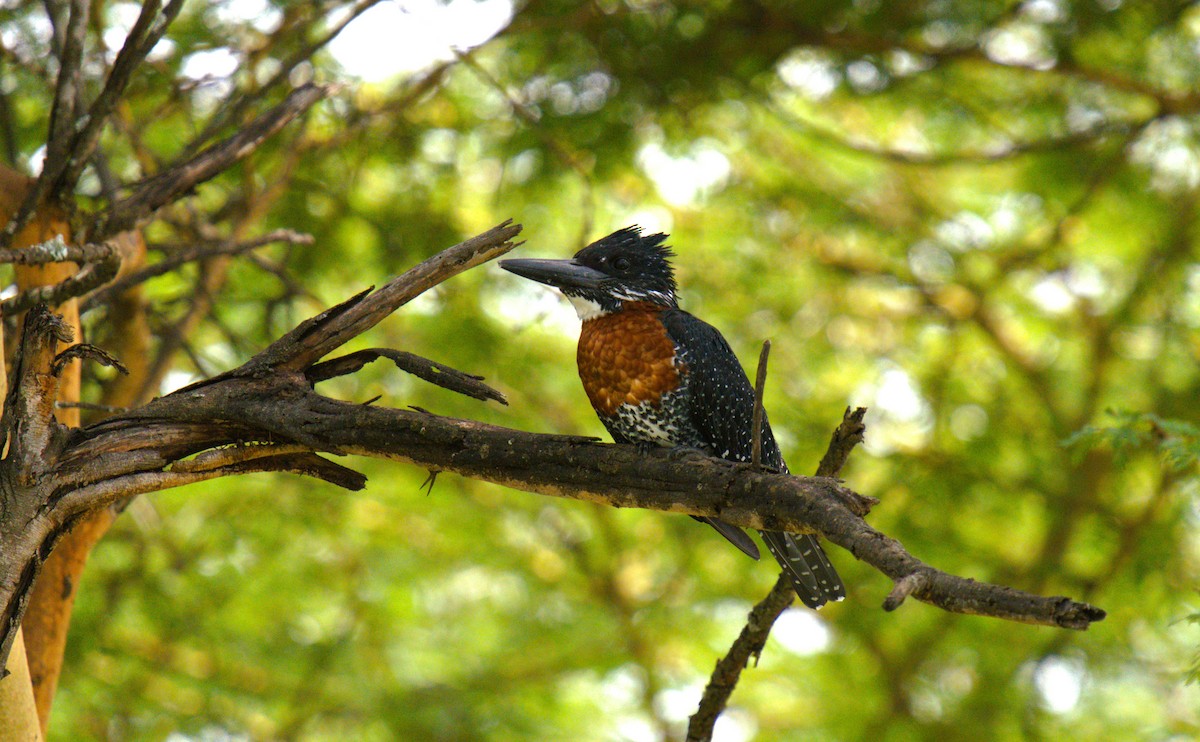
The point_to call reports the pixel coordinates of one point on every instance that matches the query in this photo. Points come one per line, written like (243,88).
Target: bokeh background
(976,218)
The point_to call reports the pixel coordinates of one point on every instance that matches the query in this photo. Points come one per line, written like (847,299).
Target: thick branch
(619,476)
(28,423)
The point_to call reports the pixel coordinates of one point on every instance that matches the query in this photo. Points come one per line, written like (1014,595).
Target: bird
(657,375)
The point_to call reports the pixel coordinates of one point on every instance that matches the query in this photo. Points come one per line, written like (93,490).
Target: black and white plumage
(655,374)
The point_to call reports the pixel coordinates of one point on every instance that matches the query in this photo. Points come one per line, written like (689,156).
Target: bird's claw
(679,453)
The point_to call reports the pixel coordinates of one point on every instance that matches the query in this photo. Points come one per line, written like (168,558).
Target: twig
(298,350)
(431,371)
(749,643)
(89,406)
(106,293)
(904,587)
(159,190)
(56,250)
(1000,152)
(91,275)
(63,112)
(173,335)
(532,119)
(760,383)
(147,30)
(847,435)
(7,130)
(233,110)
(62,120)
(86,351)
(292,288)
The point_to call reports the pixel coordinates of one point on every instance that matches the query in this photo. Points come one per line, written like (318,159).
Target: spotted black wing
(720,403)
(720,399)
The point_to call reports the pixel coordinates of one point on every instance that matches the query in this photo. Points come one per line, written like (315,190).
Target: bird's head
(625,266)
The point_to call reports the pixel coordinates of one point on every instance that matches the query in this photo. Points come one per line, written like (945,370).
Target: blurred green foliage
(976,218)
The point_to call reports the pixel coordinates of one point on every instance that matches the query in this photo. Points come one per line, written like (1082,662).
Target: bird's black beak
(562,274)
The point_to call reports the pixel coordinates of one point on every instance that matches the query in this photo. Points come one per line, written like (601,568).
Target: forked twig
(753,637)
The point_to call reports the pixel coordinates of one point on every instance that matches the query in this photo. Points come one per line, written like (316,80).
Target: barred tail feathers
(813,576)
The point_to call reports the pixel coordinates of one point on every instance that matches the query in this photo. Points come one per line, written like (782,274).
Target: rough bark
(48,617)
(18,709)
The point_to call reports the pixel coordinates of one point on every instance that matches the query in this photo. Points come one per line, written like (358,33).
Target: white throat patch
(586,308)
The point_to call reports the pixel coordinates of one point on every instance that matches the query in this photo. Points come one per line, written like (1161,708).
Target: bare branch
(62,119)
(106,293)
(8,129)
(1000,151)
(56,250)
(147,30)
(904,587)
(619,476)
(233,109)
(103,262)
(169,185)
(89,352)
(314,338)
(60,477)
(848,435)
(565,153)
(431,371)
(749,644)
(63,112)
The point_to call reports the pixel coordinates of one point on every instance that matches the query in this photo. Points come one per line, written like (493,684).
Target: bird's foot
(679,453)
(646,447)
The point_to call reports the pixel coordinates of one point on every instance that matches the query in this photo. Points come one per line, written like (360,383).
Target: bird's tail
(734,535)
(803,559)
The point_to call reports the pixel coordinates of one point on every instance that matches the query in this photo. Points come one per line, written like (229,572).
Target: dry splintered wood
(57,475)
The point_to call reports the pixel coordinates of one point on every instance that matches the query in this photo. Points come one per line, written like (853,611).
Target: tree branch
(760,385)
(431,371)
(271,400)
(62,119)
(164,188)
(105,293)
(100,263)
(147,30)
(233,108)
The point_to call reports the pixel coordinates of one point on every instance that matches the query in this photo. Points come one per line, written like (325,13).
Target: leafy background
(976,218)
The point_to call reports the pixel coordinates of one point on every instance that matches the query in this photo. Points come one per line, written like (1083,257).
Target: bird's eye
(621,263)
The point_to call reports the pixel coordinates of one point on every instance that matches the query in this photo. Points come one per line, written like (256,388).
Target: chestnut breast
(627,358)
